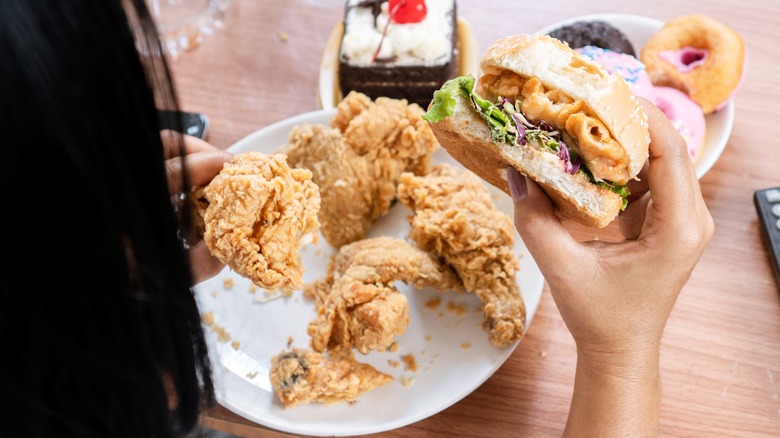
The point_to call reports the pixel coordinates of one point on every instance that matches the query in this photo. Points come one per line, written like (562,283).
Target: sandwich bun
(592,113)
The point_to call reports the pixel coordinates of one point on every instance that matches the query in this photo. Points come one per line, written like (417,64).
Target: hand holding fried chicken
(203,162)
(256,213)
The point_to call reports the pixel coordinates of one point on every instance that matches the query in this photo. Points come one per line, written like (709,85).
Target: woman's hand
(616,297)
(204,162)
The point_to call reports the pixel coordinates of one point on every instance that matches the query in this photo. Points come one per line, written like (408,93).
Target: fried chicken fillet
(257,212)
(357,162)
(454,217)
(357,304)
(303,376)
(345,179)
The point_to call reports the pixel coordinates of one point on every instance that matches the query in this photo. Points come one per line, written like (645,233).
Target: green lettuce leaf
(444,98)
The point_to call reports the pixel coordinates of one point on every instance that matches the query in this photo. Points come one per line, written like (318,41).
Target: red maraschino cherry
(407,11)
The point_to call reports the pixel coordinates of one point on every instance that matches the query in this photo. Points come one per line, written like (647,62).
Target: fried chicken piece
(392,135)
(303,376)
(346,182)
(454,217)
(358,306)
(357,164)
(258,212)
(349,108)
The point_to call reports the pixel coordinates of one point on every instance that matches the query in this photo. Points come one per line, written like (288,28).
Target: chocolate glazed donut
(594,33)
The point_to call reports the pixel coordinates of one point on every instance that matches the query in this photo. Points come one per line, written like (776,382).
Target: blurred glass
(185,24)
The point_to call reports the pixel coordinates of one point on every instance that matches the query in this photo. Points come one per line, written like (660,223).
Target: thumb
(541,230)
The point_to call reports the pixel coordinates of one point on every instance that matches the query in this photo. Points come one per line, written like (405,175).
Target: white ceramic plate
(453,354)
(639,30)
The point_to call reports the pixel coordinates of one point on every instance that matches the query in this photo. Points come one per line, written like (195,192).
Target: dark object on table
(768,208)
(194,124)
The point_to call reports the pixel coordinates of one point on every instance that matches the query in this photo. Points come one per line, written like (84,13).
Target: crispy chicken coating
(357,164)
(454,218)
(303,376)
(257,211)
(358,306)
(345,180)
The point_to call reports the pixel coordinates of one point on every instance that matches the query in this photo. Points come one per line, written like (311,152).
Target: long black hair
(100,334)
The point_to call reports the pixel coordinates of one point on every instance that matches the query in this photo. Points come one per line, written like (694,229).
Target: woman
(99,330)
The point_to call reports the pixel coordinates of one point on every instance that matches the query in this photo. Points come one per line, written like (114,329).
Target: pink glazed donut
(700,56)
(630,68)
(685,115)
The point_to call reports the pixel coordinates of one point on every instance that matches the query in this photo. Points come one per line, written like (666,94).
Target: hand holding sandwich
(616,297)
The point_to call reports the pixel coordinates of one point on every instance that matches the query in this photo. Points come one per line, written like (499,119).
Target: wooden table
(720,358)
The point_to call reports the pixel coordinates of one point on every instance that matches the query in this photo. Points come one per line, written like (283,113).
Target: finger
(204,265)
(204,166)
(201,166)
(541,230)
(195,144)
(671,176)
(190,144)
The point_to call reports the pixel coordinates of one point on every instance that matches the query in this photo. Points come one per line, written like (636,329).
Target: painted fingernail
(517,186)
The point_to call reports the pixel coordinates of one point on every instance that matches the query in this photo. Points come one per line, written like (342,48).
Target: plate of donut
(706,134)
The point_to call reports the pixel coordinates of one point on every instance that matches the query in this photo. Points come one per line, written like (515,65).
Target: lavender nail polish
(517,185)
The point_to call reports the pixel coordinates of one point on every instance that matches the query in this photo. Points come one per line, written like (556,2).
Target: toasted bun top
(558,67)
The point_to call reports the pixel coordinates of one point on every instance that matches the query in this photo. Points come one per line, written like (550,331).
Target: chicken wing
(358,306)
(303,376)
(257,211)
(454,217)
(357,164)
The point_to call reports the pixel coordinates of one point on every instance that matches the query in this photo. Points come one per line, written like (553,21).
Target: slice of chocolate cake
(403,49)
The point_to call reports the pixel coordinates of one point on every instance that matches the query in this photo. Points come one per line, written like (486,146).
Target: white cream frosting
(428,42)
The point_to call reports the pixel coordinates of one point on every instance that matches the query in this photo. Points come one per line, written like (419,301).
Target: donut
(627,66)
(685,115)
(698,55)
(594,33)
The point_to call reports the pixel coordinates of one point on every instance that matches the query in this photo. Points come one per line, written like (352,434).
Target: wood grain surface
(720,360)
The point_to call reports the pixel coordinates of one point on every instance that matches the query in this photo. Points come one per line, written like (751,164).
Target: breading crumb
(283,37)
(227,283)
(458,309)
(433,304)
(410,363)
(222,334)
